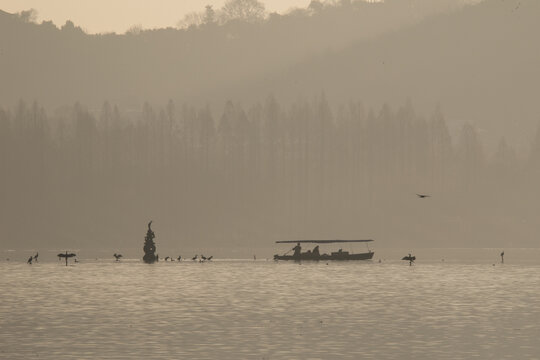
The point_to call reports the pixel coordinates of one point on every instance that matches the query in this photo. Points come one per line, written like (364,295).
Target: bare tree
(209,15)
(28,16)
(191,19)
(247,10)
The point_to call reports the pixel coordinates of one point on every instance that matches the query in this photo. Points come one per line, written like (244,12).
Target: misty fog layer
(257,174)
(95,149)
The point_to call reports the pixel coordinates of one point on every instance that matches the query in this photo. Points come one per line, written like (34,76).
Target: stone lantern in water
(149,246)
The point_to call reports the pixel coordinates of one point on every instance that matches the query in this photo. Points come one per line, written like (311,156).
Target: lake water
(240,309)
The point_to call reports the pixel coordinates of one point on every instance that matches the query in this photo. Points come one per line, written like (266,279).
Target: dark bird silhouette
(194,258)
(179,258)
(167,258)
(210,258)
(117,256)
(67,256)
(421,196)
(29,260)
(203,257)
(36,256)
(502,257)
(409,258)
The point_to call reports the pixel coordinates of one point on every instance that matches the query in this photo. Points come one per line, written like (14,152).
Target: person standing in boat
(297,250)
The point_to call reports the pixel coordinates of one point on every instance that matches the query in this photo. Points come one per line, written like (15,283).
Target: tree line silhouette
(258,172)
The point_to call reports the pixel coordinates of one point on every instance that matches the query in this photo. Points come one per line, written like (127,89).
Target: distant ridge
(469,62)
(479,64)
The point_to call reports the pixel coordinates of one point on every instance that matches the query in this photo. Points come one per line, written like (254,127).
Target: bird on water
(66,256)
(410,258)
(421,196)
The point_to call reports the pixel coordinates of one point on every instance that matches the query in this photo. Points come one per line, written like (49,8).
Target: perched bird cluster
(202,258)
(34,258)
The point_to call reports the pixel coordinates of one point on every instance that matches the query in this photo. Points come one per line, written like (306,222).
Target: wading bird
(117,256)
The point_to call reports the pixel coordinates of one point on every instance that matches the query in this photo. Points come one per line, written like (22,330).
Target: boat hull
(325,257)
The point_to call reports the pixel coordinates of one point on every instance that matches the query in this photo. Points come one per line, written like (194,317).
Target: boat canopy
(320,241)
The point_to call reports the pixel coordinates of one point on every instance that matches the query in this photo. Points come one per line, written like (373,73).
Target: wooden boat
(316,256)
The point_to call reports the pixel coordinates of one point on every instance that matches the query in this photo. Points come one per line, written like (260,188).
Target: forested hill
(480,64)
(468,60)
(59,66)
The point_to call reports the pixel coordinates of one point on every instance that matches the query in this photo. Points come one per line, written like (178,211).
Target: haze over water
(240,309)
(231,127)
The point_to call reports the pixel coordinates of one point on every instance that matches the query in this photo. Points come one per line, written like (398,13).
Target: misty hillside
(470,62)
(180,63)
(58,66)
(467,61)
(340,113)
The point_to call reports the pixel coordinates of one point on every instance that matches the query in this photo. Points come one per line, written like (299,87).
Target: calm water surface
(267,310)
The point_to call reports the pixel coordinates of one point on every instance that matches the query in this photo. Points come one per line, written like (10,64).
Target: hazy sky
(119,15)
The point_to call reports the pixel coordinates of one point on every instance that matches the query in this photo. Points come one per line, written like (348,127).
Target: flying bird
(421,196)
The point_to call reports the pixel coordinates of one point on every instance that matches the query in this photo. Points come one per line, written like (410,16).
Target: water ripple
(267,310)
